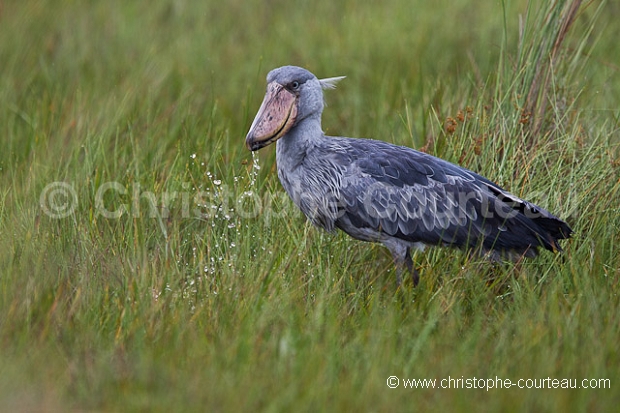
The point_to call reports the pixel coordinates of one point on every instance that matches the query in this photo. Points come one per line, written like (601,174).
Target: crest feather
(330,82)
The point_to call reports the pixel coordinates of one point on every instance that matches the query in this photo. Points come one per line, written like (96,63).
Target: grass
(185,279)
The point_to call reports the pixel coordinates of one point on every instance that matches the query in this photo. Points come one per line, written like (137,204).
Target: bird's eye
(294,85)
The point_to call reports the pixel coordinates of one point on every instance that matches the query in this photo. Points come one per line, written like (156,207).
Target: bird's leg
(399,275)
(403,262)
(415,276)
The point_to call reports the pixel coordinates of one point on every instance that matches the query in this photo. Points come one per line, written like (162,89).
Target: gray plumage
(379,192)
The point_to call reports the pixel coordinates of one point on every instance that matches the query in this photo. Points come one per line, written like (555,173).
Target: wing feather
(419,198)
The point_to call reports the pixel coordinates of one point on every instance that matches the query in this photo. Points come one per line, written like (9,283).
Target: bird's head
(293,94)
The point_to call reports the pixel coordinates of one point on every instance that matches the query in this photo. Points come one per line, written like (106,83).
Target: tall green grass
(211,291)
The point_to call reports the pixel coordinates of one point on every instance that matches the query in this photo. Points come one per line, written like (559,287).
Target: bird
(379,192)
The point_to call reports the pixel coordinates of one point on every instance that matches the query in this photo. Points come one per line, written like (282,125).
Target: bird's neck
(293,147)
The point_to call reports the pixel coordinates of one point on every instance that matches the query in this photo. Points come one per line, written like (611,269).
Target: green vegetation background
(231,301)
